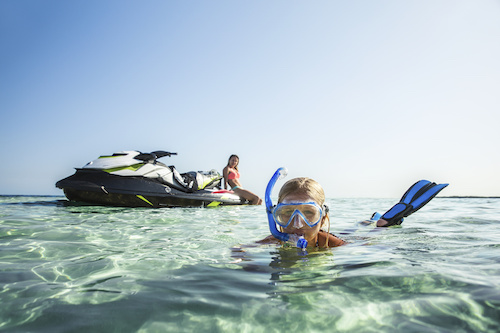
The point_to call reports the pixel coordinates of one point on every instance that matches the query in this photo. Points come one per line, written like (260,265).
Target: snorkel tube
(300,242)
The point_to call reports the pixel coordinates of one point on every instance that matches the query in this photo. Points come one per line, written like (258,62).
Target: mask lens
(310,212)
(283,214)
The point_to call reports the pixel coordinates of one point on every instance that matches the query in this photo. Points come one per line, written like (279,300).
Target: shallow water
(76,268)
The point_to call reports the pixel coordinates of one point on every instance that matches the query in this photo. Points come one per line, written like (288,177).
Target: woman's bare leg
(245,194)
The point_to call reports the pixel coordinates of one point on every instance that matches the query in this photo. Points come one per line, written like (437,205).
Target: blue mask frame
(298,212)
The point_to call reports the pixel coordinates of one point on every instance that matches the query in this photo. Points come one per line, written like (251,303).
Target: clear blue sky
(364,96)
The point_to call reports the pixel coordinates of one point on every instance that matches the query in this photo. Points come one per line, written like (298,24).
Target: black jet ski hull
(102,188)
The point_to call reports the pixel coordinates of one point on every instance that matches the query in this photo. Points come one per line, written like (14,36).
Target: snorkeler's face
(298,225)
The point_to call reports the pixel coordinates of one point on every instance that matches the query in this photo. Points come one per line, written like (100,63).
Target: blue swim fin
(417,196)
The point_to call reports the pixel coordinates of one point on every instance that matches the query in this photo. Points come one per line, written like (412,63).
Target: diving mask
(310,212)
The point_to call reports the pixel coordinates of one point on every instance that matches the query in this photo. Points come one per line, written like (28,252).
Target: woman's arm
(225,174)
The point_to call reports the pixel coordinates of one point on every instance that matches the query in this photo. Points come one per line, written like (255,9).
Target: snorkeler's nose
(297,222)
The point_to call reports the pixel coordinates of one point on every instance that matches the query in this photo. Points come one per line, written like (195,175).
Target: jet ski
(136,179)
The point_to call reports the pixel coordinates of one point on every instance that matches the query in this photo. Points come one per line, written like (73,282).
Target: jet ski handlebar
(162,153)
(153,156)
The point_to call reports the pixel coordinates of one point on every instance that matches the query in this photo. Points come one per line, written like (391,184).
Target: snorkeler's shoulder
(326,239)
(269,240)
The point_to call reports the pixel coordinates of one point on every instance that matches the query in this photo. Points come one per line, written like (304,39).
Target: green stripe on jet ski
(134,167)
(144,199)
(214,204)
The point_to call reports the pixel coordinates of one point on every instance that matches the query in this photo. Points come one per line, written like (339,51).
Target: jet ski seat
(191,181)
(203,179)
(180,182)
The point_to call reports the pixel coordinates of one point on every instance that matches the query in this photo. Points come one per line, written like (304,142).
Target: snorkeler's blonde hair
(308,187)
(303,185)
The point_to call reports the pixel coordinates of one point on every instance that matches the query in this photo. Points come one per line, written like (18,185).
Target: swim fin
(417,196)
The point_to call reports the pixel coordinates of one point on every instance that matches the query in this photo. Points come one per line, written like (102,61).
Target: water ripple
(67,267)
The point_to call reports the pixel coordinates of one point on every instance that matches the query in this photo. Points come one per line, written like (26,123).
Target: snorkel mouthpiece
(299,241)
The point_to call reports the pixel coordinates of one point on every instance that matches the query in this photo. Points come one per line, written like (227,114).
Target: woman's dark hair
(230,157)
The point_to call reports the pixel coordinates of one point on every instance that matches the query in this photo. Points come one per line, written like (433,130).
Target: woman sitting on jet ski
(231,178)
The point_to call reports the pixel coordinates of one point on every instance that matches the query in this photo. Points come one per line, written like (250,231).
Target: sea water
(81,268)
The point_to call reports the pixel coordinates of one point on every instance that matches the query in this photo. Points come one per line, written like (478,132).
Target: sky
(364,96)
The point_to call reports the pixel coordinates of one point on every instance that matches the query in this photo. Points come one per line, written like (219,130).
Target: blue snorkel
(298,241)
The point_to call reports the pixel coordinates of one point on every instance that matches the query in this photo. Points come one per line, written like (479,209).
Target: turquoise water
(73,268)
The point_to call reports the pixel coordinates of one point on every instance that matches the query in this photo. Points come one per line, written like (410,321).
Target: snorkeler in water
(303,217)
(232,178)
(301,211)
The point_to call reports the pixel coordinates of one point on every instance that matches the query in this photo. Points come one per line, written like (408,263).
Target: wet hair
(230,157)
(310,188)
(303,185)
